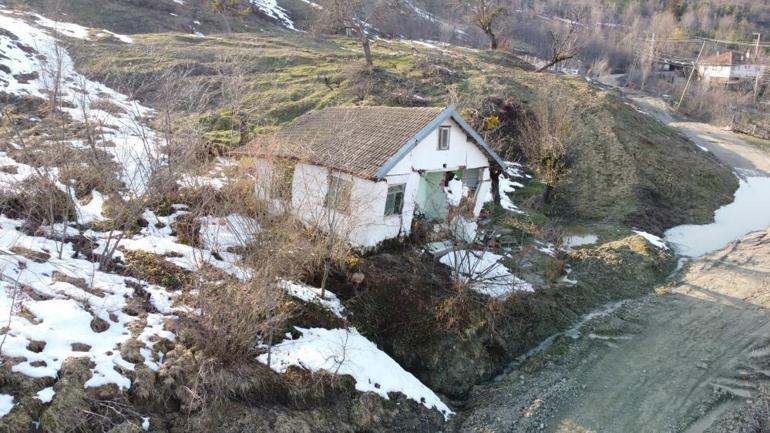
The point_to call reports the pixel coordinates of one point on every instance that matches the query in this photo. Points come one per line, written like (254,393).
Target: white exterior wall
(426,156)
(730,71)
(462,153)
(366,224)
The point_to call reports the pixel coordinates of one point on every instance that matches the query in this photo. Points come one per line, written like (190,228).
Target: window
(471,179)
(394,204)
(338,194)
(281,182)
(443,137)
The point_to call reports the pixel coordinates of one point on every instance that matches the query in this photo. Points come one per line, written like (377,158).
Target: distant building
(375,169)
(729,68)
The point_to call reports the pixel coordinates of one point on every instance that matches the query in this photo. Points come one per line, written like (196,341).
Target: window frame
(395,190)
(335,185)
(441,130)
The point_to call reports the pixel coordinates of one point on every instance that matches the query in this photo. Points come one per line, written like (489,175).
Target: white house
(368,172)
(729,67)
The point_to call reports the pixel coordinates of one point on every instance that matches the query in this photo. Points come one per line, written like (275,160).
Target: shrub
(39,202)
(188,230)
(554,268)
(235,317)
(156,269)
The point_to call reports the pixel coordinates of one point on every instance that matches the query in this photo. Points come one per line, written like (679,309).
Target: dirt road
(679,360)
(745,158)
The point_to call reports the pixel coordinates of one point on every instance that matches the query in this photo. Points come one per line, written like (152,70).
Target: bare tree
(566,43)
(484,14)
(354,16)
(552,134)
(225,8)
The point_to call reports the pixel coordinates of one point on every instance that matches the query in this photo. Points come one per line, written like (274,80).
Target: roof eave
(449,112)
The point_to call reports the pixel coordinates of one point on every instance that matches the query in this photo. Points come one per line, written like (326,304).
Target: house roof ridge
(364,141)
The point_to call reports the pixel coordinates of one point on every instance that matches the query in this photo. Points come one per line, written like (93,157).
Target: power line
(692,39)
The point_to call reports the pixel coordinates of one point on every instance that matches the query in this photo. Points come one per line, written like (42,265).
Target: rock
(36,346)
(80,347)
(99,325)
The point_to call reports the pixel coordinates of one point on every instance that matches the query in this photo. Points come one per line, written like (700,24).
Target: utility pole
(694,66)
(759,70)
(651,57)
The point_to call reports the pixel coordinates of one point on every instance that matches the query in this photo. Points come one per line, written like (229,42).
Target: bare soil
(683,359)
(673,361)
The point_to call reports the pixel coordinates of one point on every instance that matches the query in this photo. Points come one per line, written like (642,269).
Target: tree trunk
(548,194)
(494,174)
(325,277)
(243,131)
(367,49)
(492,40)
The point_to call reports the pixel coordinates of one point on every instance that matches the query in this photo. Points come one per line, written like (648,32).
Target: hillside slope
(629,168)
(143,16)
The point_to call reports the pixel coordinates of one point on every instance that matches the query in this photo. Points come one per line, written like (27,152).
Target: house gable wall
(425,156)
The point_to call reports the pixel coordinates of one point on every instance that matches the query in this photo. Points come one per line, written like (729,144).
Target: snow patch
(485,273)
(579,241)
(6,404)
(345,351)
(45,395)
(311,294)
(508,185)
(77,31)
(219,234)
(274,11)
(654,240)
(31,52)
(63,318)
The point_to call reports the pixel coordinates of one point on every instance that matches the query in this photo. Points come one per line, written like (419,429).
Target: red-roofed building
(730,67)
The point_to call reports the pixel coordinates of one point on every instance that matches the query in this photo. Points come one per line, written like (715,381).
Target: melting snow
(32,52)
(313,295)
(345,351)
(273,10)
(219,234)
(654,240)
(6,404)
(455,191)
(64,295)
(508,185)
(579,241)
(63,318)
(485,273)
(45,395)
(749,211)
(156,238)
(75,30)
